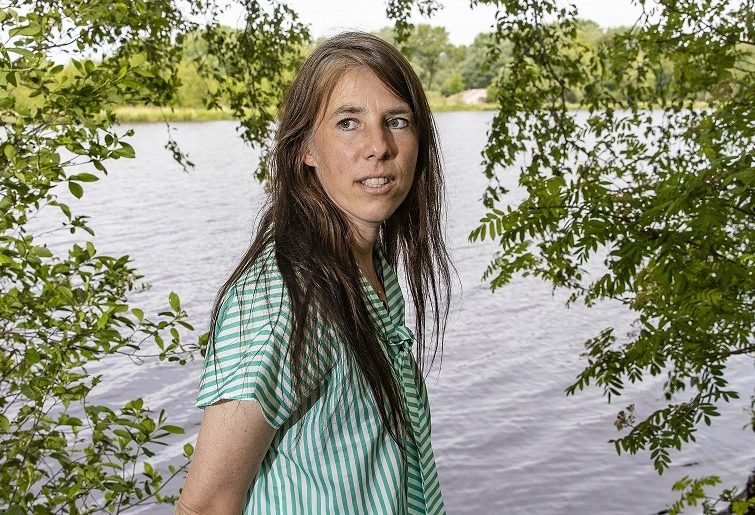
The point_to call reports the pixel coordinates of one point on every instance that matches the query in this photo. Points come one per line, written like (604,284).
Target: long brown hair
(311,236)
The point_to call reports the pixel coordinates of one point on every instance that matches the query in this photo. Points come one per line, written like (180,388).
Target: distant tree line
(444,68)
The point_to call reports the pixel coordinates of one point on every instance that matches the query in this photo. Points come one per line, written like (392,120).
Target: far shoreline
(135,114)
(152,114)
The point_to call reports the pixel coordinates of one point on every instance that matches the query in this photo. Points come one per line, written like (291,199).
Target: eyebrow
(349,108)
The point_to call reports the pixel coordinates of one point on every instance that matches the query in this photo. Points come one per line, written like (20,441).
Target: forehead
(361,87)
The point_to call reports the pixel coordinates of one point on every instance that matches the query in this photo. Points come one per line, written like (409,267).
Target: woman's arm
(233,438)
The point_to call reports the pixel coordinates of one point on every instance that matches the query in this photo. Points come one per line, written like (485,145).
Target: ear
(309,156)
(309,159)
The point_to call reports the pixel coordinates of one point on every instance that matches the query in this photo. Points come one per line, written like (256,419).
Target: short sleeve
(247,359)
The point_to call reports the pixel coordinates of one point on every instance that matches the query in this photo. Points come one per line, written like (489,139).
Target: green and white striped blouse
(345,465)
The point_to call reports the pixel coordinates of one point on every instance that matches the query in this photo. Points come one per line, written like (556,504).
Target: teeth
(375,182)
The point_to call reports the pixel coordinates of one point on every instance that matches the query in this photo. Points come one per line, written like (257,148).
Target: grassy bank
(175,114)
(133,114)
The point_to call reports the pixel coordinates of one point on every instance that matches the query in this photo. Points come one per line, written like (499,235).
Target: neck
(362,245)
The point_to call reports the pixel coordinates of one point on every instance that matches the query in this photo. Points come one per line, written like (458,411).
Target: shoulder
(262,277)
(258,297)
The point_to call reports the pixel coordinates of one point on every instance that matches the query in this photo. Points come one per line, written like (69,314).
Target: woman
(310,326)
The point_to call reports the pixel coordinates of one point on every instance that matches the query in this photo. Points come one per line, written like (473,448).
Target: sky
(326,17)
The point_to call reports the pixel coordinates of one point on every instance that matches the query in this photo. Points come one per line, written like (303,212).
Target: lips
(376,181)
(377,185)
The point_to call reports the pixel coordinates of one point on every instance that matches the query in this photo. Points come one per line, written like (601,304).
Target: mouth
(377,182)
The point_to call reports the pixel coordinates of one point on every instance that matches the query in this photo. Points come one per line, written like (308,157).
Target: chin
(375,218)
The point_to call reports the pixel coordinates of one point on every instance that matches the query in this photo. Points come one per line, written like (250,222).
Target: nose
(377,144)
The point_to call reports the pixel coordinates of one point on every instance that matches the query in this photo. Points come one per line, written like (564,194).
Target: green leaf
(138,59)
(40,251)
(32,29)
(85,177)
(32,356)
(67,420)
(188,450)
(30,392)
(76,189)
(8,150)
(122,433)
(175,302)
(20,51)
(173,429)
(66,210)
(126,150)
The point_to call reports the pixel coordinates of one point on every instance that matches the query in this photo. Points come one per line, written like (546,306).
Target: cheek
(410,145)
(327,180)
(337,158)
(334,176)
(410,162)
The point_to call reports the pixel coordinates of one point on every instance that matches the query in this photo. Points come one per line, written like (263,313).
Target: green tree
(484,60)
(453,84)
(387,33)
(62,313)
(449,78)
(644,180)
(429,51)
(429,48)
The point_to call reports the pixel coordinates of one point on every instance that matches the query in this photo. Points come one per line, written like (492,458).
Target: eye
(344,124)
(398,123)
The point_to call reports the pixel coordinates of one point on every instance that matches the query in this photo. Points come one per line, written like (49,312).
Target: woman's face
(364,149)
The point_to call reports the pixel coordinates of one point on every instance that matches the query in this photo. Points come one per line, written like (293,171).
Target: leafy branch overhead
(635,158)
(64,312)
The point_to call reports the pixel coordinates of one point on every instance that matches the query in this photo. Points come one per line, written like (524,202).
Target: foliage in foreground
(65,315)
(659,191)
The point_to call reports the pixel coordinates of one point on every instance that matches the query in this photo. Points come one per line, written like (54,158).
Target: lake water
(506,438)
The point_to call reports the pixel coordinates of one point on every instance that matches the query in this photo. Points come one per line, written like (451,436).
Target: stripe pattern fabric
(343,461)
